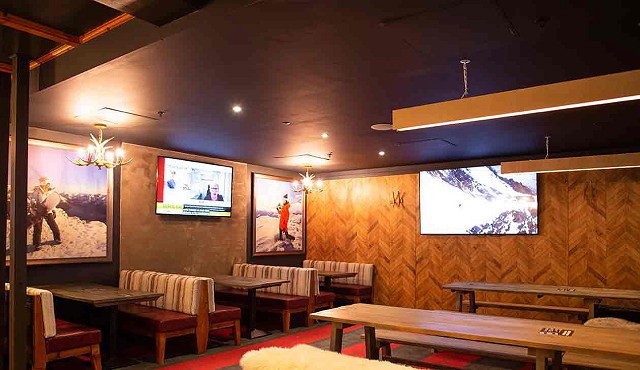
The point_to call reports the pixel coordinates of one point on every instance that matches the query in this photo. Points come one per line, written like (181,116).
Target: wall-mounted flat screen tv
(478,200)
(193,188)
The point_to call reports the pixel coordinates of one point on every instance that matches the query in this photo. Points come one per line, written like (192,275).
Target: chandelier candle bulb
(100,154)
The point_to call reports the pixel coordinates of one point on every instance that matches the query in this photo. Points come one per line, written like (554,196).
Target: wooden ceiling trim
(40,30)
(105,27)
(89,35)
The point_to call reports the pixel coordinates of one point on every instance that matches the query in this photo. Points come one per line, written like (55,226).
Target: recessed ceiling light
(324,135)
(381,153)
(236,109)
(382,127)
(286,123)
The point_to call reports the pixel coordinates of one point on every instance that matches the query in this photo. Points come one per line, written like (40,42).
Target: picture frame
(269,214)
(79,204)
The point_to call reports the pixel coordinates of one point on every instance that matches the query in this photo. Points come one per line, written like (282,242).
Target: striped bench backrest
(301,279)
(181,293)
(365,270)
(48,313)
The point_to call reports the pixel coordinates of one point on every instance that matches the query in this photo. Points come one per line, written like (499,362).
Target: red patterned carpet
(352,346)
(137,353)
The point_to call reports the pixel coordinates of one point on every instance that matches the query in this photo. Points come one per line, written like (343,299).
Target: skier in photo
(283,210)
(43,200)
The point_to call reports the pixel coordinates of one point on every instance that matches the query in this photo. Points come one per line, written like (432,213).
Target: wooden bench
(297,296)
(386,337)
(358,288)
(55,339)
(581,312)
(186,307)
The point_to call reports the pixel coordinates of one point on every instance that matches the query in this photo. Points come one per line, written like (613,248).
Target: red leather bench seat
(224,313)
(70,335)
(155,319)
(351,289)
(325,297)
(263,299)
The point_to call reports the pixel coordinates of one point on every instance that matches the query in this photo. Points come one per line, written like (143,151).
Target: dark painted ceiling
(341,66)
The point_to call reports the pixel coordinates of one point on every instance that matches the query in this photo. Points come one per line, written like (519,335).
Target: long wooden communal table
(592,296)
(251,284)
(482,328)
(329,275)
(99,295)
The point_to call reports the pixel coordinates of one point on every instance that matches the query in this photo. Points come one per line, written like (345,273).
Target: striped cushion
(181,293)
(300,278)
(364,270)
(48,314)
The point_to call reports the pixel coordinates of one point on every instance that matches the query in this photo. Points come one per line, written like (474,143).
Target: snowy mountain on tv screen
(478,200)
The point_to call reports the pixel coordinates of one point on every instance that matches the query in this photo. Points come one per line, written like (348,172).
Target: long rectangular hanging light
(606,89)
(596,162)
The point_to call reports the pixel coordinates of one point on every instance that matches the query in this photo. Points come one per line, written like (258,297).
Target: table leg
(373,353)
(336,337)
(541,360)
(593,306)
(459,296)
(327,283)
(253,332)
(557,360)
(113,331)
(472,302)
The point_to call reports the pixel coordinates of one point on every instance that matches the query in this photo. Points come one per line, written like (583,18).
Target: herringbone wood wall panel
(589,236)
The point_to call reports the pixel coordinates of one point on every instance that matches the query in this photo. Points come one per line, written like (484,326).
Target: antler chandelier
(99,154)
(307,184)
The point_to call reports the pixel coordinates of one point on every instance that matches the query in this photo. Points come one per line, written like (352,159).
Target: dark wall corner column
(5,98)
(19,131)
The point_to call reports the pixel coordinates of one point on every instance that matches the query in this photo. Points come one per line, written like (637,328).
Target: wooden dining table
(591,296)
(329,275)
(250,284)
(535,335)
(99,295)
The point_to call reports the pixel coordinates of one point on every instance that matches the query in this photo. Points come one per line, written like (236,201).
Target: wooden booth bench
(186,307)
(358,288)
(299,295)
(385,338)
(55,339)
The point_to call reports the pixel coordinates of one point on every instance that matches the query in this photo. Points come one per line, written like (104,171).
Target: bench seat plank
(501,351)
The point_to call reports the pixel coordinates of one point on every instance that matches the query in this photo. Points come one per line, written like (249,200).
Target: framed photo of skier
(69,208)
(278,217)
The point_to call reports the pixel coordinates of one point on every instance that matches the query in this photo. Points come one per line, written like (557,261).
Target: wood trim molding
(89,35)
(34,28)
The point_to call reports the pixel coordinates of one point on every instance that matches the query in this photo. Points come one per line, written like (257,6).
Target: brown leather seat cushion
(351,289)
(70,335)
(324,298)
(224,313)
(155,320)
(281,301)
(263,299)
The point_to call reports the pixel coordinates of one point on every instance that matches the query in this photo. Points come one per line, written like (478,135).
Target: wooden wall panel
(589,236)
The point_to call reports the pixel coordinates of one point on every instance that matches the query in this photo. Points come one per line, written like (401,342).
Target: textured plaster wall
(178,244)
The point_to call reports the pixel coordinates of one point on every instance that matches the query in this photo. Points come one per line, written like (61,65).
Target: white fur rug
(305,357)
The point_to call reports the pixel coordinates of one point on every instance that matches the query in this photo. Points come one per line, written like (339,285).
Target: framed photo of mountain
(278,217)
(69,208)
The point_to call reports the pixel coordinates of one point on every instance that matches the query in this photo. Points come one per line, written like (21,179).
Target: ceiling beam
(25,25)
(89,35)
